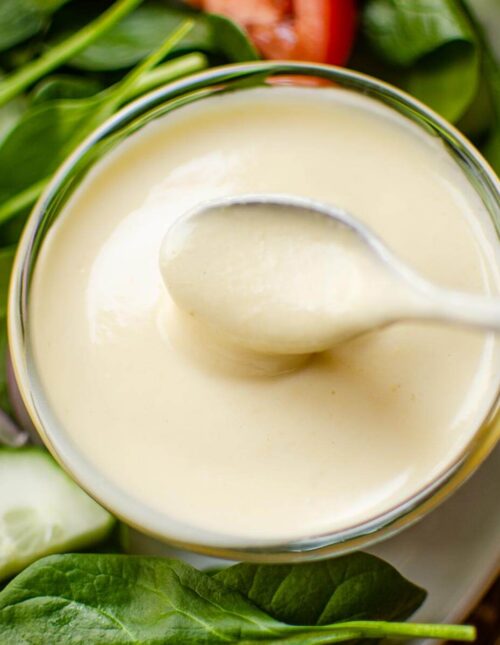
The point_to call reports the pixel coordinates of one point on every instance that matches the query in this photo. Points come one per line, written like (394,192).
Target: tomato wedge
(313,30)
(247,12)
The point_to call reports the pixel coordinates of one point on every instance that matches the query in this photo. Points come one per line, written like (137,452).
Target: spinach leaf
(432,46)
(28,74)
(40,141)
(479,116)
(491,148)
(6,259)
(491,83)
(115,599)
(141,31)
(58,126)
(353,587)
(65,87)
(5,405)
(123,599)
(10,114)
(172,69)
(20,19)
(74,87)
(481,122)
(223,36)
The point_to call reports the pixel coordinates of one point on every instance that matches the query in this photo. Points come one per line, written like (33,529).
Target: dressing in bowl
(216,445)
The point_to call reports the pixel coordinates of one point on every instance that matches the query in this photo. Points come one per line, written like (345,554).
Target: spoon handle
(463,309)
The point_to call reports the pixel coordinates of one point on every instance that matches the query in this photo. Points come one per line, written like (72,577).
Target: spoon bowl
(282,274)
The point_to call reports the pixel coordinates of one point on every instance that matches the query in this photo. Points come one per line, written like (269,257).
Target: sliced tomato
(312,30)
(248,12)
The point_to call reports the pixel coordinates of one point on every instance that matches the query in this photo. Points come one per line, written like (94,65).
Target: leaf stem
(17,82)
(175,68)
(122,90)
(383,629)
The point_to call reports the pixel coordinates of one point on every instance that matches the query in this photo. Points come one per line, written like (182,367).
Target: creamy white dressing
(279,279)
(340,439)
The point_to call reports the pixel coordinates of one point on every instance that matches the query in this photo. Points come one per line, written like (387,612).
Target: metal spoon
(411,296)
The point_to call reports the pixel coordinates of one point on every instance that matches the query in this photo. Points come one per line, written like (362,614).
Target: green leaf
(128,84)
(402,31)
(223,36)
(41,140)
(484,114)
(144,29)
(434,46)
(65,87)
(172,69)
(479,116)
(38,144)
(6,260)
(124,599)
(115,599)
(491,148)
(20,19)
(353,587)
(25,76)
(10,114)
(74,87)
(5,405)
(446,80)
(59,126)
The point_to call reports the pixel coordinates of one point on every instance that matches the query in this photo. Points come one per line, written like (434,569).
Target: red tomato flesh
(312,30)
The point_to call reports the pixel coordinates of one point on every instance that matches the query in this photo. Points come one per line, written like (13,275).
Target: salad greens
(489,99)
(64,68)
(6,259)
(434,47)
(59,125)
(355,587)
(491,148)
(134,37)
(114,599)
(435,50)
(25,76)
(20,19)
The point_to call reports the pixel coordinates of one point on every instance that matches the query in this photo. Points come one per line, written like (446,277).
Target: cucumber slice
(42,511)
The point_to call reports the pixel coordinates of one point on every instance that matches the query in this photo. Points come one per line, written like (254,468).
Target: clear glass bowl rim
(154,523)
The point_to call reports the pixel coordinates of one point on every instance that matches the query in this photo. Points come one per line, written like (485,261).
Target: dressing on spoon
(283,275)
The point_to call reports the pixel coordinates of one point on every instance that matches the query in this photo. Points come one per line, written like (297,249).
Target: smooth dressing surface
(349,434)
(278,278)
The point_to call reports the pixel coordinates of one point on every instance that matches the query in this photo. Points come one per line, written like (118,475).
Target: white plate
(454,552)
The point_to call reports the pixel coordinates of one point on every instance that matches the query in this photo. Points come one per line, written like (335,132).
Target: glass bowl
(127,121)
